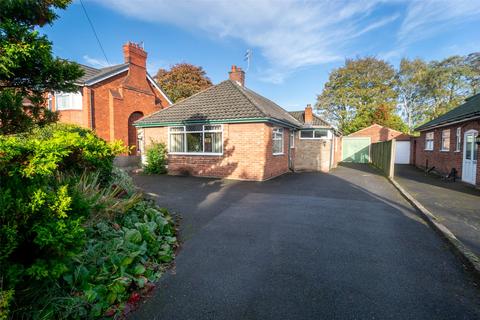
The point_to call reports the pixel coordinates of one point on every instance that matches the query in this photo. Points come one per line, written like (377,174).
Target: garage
(356,149)
(402,152)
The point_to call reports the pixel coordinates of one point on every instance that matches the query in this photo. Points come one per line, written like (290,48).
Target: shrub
(156,158)
(77,240)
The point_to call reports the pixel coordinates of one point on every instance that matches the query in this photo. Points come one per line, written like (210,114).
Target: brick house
(449,141)
(226,131)
(111,99)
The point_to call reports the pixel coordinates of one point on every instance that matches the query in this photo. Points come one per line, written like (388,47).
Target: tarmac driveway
(344,245)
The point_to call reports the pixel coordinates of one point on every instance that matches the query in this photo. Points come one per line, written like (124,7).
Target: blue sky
(295,43)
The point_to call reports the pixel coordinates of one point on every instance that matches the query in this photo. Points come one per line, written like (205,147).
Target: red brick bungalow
(449,141)
(110,99)
(226,131)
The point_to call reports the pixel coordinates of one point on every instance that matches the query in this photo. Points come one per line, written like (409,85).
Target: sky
(295,44)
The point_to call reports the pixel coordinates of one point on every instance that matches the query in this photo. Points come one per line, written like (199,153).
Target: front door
(470,153)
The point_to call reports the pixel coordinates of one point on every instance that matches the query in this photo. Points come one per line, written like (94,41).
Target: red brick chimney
(238,75)
(137,57)
(308,114)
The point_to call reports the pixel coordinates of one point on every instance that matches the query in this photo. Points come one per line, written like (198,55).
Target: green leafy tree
(182,80)
(446,85)
(410,89)
(28,69)
(359,94)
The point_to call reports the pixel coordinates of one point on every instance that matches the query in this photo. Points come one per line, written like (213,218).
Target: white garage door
(402,152)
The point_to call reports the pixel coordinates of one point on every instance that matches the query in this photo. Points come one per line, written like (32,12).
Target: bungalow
(451,142)
(229,131)
(110,99)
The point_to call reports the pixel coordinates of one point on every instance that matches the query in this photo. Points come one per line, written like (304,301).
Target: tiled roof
(470,108)
(224,101)
(92,74)
(317,121)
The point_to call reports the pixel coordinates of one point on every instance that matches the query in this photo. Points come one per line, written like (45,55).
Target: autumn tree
(28,69)
(182,80)
(359,94)
(410,89)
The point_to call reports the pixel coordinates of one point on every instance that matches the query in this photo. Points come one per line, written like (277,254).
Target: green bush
(75,237)
(156,158)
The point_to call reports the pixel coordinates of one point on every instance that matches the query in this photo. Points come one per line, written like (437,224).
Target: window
(68,101)
(196,139)
(446,140)
(292,139)
(50,101)
(314,134)
(429,141)
(277,146)
(458,141)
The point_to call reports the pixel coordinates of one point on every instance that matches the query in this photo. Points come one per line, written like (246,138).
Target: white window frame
(292,139)
(71,100)
(443,139)
(50,102)
(458,140)
(275,132)
(313,135)
(203,131)
(427,140)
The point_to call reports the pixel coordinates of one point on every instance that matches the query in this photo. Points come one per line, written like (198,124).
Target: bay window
(196,139)
(429,141)
(277,146)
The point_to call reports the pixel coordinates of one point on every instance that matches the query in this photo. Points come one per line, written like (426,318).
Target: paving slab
(454,204)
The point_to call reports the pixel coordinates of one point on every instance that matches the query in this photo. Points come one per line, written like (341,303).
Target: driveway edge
(468,257)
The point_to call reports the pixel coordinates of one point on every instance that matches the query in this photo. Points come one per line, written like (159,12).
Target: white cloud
(293,34)
(94,62)
(289,34)
(427,17)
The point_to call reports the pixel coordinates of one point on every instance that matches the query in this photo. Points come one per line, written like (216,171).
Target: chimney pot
(237,75)
(134,54)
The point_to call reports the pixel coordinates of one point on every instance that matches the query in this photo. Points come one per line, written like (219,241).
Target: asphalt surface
(455,204)
(344,245)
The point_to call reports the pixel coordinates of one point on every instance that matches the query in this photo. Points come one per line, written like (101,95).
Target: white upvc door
(470,151)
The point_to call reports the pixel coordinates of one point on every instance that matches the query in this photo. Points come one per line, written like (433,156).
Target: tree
(182,80)
(410,90)
(446,85)
(28,69)
(359,94)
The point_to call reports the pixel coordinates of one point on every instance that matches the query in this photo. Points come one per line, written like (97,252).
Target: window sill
(195,154)
(428,149)
(444,150)
(278,154)
(315,138)
(69,109)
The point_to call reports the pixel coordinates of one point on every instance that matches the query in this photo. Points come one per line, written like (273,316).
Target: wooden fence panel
(382,156)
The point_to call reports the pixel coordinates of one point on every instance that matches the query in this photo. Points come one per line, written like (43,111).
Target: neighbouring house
(226,131)
(449,142)
(317,144)
(356,146)
(111,99)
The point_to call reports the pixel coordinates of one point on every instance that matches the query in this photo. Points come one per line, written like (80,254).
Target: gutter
(242,120)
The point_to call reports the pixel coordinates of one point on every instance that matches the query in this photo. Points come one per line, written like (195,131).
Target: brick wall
(444,161)
(312,154)
(247,154)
